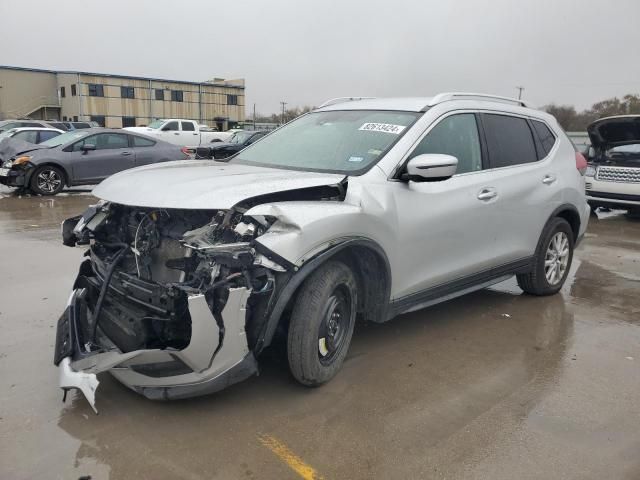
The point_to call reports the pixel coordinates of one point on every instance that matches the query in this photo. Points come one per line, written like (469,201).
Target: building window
(75,118)
(128,122)
(64,119)
(96,90)
(159,94)
(176,96)
(99,119)
(127,92)
(73,90)
(62,92)
(232,99)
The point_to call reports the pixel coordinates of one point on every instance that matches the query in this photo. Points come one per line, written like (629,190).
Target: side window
(30,136)
(90,140)
(109,141)
(45,135)
(545,135)
(142,142)
(509,140)
(188,127)
(171,127)
(456,135)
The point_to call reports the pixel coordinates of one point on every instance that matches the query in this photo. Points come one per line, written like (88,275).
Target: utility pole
(520,89)
(282,118)
(254,116)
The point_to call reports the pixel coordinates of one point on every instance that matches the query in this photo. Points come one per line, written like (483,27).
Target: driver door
(447,229)
(112,154)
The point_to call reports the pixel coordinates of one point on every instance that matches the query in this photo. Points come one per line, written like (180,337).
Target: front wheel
(47,180)
(552,260)
(322,323)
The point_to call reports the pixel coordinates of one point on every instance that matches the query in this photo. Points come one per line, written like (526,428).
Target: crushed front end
(171,302)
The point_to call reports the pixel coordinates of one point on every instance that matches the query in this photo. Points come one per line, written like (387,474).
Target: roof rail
(448,96)
(333,101)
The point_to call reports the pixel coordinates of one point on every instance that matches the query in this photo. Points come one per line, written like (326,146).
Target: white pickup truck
(186,133)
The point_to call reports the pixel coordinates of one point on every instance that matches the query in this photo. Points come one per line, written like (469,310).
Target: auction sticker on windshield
(382,127)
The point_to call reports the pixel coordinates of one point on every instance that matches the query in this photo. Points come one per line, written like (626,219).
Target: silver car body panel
(203,184)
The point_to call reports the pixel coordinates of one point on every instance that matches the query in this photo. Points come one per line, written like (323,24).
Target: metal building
(117,100)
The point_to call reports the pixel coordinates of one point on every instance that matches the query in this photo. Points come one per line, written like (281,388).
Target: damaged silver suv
(363,208)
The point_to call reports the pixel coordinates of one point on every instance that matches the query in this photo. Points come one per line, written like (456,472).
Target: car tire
(47,180)
(321,324)
(552,260)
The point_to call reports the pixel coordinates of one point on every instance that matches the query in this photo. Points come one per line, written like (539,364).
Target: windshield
(9,125)
(7,134)
(336,141)
(156,124)
(63,138)
(240,137)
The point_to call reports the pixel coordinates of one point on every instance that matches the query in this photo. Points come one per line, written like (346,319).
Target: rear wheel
(47,180)
(321,324)
(552,260)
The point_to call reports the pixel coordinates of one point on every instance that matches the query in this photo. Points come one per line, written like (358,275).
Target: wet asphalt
(493,385)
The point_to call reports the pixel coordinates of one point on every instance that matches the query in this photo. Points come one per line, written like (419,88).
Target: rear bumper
(612,200)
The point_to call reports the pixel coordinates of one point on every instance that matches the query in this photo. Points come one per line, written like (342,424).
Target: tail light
(186,151)
(581,163)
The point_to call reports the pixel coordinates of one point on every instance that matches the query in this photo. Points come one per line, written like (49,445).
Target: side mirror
(87,147)
(431,167)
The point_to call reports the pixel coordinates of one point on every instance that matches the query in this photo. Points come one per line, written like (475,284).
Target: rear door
(189,134)
(112,154)
(525,182)
(146,150)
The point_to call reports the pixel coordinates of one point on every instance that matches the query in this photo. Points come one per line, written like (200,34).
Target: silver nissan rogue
(364,208)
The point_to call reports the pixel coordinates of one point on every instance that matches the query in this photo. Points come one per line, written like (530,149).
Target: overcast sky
(304,51)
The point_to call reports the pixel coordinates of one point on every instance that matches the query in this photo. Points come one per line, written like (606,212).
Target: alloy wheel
(48,181)
(556,258)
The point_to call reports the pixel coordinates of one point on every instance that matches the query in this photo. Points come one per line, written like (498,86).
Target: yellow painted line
(294,462)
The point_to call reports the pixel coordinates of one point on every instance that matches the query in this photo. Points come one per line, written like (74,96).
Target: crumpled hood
(612,131)
(203,184)
(10,147)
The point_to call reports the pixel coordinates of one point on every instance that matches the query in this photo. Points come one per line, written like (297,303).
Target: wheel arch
(570,214)
(67,178)
(365,257)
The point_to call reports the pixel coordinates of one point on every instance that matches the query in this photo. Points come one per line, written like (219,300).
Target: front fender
(302,230)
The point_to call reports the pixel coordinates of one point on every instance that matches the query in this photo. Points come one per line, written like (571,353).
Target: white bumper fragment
(87,383)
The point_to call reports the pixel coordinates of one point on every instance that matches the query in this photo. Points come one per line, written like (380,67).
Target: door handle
(125,154)
(487,194)
(548,179)
(176,133)
(195,133)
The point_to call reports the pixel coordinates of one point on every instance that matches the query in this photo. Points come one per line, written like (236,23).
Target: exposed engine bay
(145,263)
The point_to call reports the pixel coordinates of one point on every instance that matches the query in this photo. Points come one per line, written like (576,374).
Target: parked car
(365,208)
(613,174)
(82,157)
(31,134)
(237,142)
(22,123)
(79,125)
(185,133)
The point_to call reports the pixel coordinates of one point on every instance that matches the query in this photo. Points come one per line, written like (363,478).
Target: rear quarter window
(142,142)
(509,140)
(545,136)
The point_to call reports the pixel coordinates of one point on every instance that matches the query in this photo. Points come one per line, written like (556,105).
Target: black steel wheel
(322,323)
